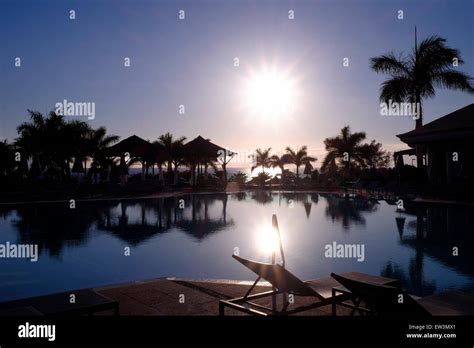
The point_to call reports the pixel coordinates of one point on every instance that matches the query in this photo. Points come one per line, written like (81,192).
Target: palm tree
(58,132)
(348,151)
(7,159)
(262,159)
(299,158)
(415,77)
(52,143)
(98,141)
(345,148)
(78,146)
(39,141)
(239,177)
(30,142)
(172,147)
(280,161)
(374,156)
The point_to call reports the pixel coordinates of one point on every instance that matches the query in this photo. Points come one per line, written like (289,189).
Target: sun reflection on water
(267,239)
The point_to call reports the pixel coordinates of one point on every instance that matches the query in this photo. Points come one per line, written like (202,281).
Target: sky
(190,62)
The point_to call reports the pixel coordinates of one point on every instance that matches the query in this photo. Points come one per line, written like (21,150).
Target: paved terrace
(201,297)
(171,296)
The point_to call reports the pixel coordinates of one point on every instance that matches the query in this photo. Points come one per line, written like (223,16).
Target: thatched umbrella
(135,147)
(199,149)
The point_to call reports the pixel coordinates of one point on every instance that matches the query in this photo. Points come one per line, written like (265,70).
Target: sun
(269,93)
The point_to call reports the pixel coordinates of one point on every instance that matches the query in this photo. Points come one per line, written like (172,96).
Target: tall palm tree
(414,77)
(78,146)
(374,155)
(280,161)
(262,159)
(98,141)
(51,143)
(57,132)
(30,142)
(7,159)
(299,158)
(39,140)
(345,148)
(172,146)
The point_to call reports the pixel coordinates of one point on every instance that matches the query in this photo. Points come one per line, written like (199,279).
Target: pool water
(193,236)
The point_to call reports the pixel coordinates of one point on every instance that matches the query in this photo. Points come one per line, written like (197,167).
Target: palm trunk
(419,120)
(419,125)
(282,168)
(68,170)
(160,173)
(175,174)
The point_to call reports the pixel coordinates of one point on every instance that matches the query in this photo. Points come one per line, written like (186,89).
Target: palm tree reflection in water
(427,230)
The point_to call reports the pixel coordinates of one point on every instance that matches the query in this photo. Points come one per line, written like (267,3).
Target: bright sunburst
(267,239)
(269,92)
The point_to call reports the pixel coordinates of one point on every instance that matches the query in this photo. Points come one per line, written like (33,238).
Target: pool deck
(173,296)
(190,297)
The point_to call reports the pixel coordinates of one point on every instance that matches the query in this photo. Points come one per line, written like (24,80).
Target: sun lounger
(388,300)
(283,281)
(378,299)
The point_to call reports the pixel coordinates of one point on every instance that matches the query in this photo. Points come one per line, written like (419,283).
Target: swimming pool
(193,236)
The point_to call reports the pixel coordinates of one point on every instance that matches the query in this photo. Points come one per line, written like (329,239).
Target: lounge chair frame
(244,303)
(378,299)
(356,302)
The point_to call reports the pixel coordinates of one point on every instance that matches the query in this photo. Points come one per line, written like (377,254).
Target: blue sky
(190,62)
